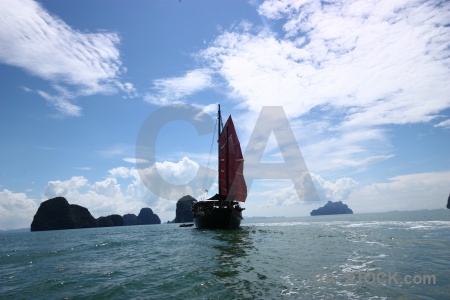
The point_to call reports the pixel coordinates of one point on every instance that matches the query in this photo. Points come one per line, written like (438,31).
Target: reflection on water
(238,271)
(234,272)
(233,246)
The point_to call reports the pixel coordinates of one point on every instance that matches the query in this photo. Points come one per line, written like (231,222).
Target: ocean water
(404,255)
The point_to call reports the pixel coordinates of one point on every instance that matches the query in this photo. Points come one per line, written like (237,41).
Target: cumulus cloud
(76,63)
(102,198)
(108,187)
(405,192)
(279,193)
(280,198)
(122,172)
(173,180)
(123,190)
(63,188)
(16,210)
(179,172)
(334,191)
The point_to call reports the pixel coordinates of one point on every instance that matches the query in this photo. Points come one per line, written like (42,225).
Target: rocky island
(57,214)
(183,212)
(332,208)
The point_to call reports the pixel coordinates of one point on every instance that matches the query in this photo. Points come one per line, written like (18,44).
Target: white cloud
(384,60)
(16,210)
(173,90)
(133,160)
(178,173)
(343,69)
(403,192)
(210,109)
(355,149)
(173,180)
(62,104)
(108,187)
(445,124)
(123,191)
(128,173)
(101,198)
(266,198)
(47,47)
(117,150)
(83,168)
(62,188)
(283,193)
(334,191)
(121,172)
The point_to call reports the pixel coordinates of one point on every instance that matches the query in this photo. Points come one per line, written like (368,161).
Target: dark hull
(219,218)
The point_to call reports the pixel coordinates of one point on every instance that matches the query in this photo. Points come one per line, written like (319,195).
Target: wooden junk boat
(222,211)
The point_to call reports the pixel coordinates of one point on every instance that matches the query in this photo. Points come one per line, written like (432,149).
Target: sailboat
(222,211)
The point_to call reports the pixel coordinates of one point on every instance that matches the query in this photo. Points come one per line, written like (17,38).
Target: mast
(219,122)
(230,164)
(227,165)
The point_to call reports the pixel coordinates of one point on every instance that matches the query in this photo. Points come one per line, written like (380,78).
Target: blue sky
(364,85)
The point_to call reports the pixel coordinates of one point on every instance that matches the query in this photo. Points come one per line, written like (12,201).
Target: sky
(364,86)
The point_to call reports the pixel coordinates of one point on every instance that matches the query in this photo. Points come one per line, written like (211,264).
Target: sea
(396,255)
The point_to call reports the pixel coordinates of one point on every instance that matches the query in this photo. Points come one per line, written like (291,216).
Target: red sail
(231,165)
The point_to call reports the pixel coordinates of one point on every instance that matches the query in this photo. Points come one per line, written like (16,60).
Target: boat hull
(219,218)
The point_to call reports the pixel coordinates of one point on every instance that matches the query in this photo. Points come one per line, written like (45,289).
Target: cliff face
(146,216)
(82,217)
(332,208)
(183,211)
(57,213)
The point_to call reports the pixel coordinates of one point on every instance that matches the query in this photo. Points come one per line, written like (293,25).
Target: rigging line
(205,178)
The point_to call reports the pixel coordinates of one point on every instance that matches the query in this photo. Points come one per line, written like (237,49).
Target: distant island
(332,208)
(57,214)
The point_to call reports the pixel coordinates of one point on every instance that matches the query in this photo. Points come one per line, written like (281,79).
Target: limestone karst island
(58,214)
(332,208)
